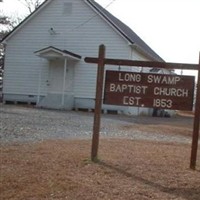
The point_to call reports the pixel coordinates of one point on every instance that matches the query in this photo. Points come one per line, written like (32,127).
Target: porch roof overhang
(52,53)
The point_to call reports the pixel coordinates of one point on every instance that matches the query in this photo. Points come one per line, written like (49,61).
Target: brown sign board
(161,91)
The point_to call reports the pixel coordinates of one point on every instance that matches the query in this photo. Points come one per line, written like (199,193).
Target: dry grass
(126,170)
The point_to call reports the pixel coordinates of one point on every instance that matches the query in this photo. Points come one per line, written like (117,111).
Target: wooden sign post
(98,103)
(179,97)
(195,136)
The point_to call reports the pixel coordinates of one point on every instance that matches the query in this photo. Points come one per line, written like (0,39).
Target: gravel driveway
(28,124)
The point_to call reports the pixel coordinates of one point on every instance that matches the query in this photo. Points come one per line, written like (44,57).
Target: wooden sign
(149,90)
(146,90)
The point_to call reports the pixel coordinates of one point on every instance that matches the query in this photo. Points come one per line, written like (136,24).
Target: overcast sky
(169,27)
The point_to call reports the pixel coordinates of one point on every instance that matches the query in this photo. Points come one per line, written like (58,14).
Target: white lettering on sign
(170,80)
(131,101)
(173,92)
(130,77)
(162,103)
(135,89)
(149,90)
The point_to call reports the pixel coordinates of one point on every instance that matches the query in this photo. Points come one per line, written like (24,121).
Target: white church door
(58,77)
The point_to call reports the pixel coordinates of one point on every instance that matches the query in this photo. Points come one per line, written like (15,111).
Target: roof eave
(63,53)
(145,53)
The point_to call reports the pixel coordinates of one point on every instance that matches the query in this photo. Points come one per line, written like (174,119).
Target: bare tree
(4,24)
(31,5)
(2,52)
(8,23)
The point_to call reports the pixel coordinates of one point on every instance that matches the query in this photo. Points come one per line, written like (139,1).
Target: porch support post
(64,82)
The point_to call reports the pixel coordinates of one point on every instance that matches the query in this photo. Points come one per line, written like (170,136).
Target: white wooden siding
(81,32)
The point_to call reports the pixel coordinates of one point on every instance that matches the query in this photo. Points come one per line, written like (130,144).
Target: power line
(82,24)
(110,3)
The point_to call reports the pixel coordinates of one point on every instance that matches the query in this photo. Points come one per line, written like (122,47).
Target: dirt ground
(126,169)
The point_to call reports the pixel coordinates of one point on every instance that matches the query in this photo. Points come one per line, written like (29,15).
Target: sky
(170,27)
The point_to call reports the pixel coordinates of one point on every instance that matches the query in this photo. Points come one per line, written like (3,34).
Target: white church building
(44,58)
